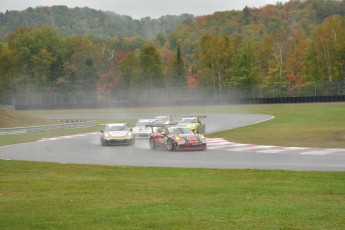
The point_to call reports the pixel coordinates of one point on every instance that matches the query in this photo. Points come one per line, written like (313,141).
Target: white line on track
(221,144)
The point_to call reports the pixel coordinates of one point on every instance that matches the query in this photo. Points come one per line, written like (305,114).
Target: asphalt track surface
(86,149)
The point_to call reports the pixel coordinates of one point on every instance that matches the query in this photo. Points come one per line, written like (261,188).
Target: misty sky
(142,8)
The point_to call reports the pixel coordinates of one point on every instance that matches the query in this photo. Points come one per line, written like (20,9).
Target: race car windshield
(143,123)
(188,120)
(180,130)
(116,128)
(162,119)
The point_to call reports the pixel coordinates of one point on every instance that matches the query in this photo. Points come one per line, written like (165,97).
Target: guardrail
(30,129)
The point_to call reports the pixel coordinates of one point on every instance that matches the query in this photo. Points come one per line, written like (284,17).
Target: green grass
(61,196)
(57,196)
(302,125)
(9,118)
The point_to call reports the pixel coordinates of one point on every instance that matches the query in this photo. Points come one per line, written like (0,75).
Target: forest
(57,49)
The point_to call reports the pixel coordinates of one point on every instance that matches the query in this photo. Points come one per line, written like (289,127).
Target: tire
(170,145)
(152,143)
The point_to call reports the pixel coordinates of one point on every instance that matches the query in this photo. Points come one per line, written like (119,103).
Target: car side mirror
(102,131)
(131,129)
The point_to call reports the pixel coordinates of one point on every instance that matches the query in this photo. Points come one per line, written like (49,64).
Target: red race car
(177,138)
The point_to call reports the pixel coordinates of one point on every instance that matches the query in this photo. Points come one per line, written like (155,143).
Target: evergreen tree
(178,72)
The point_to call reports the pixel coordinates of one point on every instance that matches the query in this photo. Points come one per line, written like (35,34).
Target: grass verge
(58,196)
(302,125)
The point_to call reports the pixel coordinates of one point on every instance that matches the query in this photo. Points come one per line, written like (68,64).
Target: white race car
(165,120)
(117,134)
(141,130)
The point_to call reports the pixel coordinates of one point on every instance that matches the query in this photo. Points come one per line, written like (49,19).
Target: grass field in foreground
(60,196)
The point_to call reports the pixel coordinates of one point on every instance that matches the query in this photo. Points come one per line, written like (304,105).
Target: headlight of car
(129,135)
(177,138)
(106,135)
(202,137)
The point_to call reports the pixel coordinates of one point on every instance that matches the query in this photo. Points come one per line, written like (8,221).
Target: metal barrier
(30,129)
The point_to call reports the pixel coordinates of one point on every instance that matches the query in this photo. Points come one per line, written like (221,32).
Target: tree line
(296,43)
(78,21)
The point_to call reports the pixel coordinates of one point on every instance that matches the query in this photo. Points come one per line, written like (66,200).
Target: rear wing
(155,126)
(200,117)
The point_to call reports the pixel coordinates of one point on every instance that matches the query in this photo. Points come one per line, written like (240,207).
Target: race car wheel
(170,145)
(152,143)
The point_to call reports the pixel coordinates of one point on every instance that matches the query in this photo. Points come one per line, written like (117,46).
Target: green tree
(246,15)
(38,55)
(151,67)
(177,70)
(7,68)
(129,71)
(246,66)
(83,59)
(264,54)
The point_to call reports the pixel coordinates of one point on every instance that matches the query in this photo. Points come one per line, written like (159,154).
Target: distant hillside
(291,44)
(279,20)
(74,21)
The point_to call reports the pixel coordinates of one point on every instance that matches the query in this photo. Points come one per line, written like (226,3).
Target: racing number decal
(192,140)
(162,140)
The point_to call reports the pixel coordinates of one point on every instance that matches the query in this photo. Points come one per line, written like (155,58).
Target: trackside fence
(177,95)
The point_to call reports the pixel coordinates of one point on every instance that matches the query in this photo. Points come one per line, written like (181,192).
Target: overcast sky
(142,8)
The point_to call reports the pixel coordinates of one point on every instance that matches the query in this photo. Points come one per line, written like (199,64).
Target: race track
(86,149)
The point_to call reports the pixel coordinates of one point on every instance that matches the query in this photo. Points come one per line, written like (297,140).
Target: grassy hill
(10,118)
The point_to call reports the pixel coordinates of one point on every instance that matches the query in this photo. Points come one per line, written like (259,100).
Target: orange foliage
(130,39)
(121,55)
(192,81)
(107,81)
(295,81)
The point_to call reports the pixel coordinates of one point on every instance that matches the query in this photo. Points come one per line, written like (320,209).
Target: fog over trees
(57,49)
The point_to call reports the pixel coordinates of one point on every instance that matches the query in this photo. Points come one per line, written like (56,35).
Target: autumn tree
(327,51)
(297,46)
